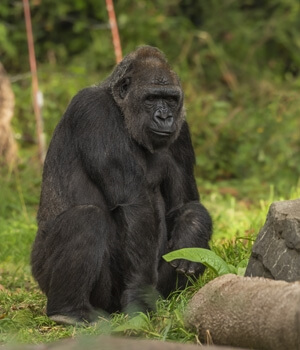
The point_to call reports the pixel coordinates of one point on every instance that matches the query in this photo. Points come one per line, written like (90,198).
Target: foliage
(207,257)
(214,36)
(243,57)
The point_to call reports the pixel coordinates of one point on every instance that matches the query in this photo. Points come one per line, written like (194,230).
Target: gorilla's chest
(156,167)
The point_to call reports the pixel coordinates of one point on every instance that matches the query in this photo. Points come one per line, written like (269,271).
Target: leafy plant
(206,257)
(136,323)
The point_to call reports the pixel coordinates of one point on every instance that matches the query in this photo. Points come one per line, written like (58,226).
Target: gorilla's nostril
(170,119)
(158,115)
(163,116)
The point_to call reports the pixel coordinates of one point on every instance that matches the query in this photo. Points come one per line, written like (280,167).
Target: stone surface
(112,343)
(276,251)
(249,312)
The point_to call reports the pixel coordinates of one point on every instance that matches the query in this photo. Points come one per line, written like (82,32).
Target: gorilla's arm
(109,158)
(189,223)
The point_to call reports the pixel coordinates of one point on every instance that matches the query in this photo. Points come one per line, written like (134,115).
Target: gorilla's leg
(71,258)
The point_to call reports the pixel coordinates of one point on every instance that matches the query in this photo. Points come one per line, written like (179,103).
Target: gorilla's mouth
(162,132)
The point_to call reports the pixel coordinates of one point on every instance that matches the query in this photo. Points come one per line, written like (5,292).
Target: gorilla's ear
(120,80)
(124,85)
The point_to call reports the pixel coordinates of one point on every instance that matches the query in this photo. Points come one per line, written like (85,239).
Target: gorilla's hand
(182,265)
(186,267)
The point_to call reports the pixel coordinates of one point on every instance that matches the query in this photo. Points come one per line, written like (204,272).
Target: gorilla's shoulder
(96,94)
(92,101)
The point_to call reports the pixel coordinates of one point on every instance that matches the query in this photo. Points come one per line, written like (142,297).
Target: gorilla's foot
(68,320)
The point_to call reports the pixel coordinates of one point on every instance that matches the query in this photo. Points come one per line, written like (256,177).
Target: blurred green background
(238,61)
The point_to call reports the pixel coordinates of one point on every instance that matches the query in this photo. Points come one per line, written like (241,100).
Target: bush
(238,61)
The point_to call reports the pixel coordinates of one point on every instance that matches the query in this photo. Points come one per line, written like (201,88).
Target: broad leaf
(201,255)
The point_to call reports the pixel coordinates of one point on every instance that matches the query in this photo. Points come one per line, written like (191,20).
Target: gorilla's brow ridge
(160,81)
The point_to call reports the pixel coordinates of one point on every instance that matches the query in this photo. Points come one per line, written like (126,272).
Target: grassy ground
(238,216)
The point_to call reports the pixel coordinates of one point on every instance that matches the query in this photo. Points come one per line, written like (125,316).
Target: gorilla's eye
(150,98)
(172,100)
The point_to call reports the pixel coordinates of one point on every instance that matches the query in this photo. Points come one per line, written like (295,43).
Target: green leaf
(136,323)
(241,271)
(232,268)
(201,255)
(241,267)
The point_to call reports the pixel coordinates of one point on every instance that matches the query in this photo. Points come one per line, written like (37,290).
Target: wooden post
(114,30)
(35,87)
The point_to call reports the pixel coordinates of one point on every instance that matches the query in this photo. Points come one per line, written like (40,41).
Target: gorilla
(118,192)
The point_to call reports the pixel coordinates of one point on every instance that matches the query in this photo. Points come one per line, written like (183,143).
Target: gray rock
(276,251)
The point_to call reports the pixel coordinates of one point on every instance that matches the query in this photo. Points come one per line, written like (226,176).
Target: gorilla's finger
(183,266)
(174,263)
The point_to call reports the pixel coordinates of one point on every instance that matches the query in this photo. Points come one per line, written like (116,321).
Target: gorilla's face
(151,100)
(161,104)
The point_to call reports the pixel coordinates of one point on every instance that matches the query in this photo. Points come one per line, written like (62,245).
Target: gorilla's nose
(163,118)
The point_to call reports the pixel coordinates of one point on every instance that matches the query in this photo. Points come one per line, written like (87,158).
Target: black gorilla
(118,192)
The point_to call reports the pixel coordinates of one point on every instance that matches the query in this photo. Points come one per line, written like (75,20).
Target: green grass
(237,220)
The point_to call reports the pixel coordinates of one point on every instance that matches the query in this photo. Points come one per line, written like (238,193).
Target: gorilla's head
(150,97)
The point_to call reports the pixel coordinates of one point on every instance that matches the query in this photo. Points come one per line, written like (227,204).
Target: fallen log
(112,343)
(254,313)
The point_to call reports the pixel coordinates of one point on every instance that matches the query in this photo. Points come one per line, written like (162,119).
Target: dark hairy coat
(118,192)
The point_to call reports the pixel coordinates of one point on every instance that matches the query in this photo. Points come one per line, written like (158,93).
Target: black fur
(118,192)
